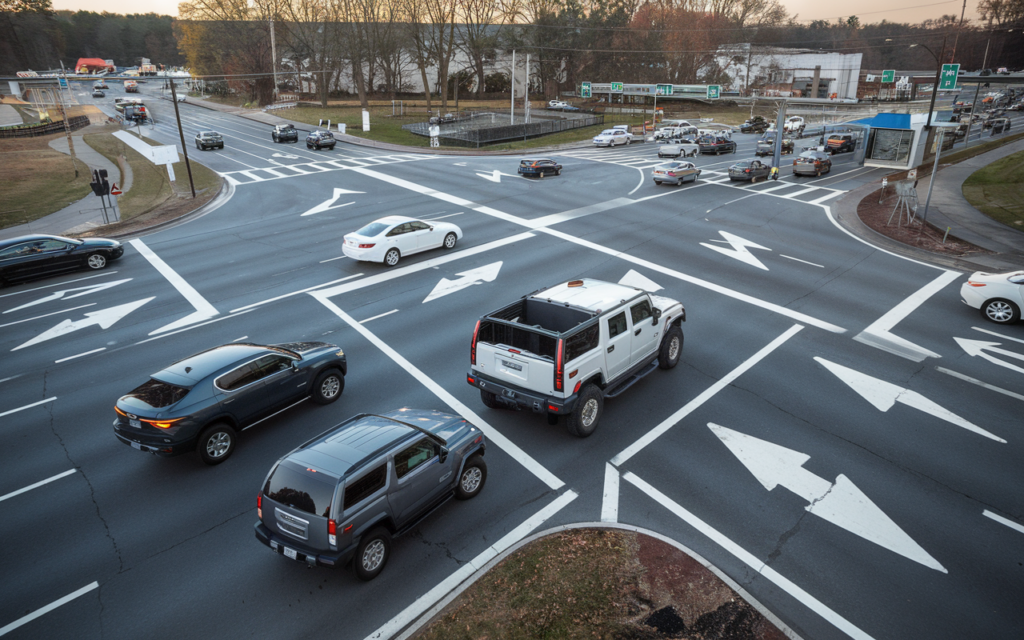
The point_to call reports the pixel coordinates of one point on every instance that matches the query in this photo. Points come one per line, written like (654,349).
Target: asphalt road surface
(825,440)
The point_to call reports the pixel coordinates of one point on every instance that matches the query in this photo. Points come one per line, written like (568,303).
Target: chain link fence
(479,129)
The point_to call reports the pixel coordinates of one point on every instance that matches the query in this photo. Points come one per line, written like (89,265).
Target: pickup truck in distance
(563,350)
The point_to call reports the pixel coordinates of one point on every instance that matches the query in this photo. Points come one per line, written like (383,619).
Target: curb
(227,190)
(435,611)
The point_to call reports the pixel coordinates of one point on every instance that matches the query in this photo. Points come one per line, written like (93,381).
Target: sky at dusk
(913,11)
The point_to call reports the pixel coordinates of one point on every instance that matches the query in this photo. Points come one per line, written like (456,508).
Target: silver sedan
(675,173)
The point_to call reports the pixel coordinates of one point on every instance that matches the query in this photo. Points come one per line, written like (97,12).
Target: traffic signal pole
(181,134)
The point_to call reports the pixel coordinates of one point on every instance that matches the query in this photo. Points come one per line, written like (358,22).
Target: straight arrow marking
(486,273)
(59,295)
(883,395)
(105,318)
(979,347)
(842,503)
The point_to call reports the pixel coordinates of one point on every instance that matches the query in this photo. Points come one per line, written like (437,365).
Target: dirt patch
(599,583)
(877,215)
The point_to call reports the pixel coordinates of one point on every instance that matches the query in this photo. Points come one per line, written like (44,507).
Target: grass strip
(997,190)
(36,181)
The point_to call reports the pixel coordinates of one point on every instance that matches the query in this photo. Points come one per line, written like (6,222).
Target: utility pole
(512,110)
(181,134)
(974,105)
(931,183)
(780,124)
(957,38)
(273,55)
(526,95)
(64,115)
(938,78)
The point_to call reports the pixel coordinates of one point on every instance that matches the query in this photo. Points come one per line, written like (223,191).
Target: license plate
(134,423)
(136,445)
(291,553)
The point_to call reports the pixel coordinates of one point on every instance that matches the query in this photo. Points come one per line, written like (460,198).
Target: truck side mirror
(657,316)
(443,455)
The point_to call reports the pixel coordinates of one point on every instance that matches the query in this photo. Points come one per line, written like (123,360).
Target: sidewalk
(95,160)
(948,208)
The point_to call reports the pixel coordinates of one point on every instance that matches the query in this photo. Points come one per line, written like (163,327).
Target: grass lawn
(150,184)
(997,190)
(36,181)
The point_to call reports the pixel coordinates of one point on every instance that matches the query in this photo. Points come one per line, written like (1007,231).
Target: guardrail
(34,130)
(484,128)
(280,105)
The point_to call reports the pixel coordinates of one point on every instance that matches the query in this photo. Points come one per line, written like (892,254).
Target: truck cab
(564,349)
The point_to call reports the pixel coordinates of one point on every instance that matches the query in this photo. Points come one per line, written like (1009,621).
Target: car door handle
(637,332)
(611,348)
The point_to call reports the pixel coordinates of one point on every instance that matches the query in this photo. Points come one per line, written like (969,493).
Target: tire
(584,420)
(96,261)
(309,146)
(472,478)
(671,348)
(558,172)
(490,400)
(372,554)
(450,240)
(274,138)
(221,146)
(657,182)
(392,257)
(1000,311)
(216,443)
(328,387)
(198,147)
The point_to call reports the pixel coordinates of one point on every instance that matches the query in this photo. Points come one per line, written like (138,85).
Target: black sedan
(202,402)
(716,146)
(539,168)
(757,124)
(750,170)
(285,133)
(209,140)
(36,256)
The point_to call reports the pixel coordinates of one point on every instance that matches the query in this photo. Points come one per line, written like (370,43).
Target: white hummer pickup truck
(563,350)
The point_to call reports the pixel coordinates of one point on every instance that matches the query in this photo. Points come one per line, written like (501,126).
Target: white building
(775,71)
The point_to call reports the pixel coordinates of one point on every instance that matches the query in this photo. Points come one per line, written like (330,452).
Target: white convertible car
(389,239)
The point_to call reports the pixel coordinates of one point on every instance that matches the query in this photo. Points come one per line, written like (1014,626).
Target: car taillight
(162,424)
(672,173)
(746,171)
(366,246)
(559,371)
(975,284)
(472,347)
(121,412)
(259,506)
(332,532)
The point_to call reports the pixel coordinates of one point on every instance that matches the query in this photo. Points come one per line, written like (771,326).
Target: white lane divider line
(27,406)
(38,484)
(803,261)
(705,395)
(991,333)
(1001,520)
(87,353)
(965,378)
(333,259)
(434,596)
(193,326)
(294,293)
(495,436)
(879,333)
(91,304)
(750,560)
(203,309)
(239,339)
(48,608)
(610,499)
(380,315)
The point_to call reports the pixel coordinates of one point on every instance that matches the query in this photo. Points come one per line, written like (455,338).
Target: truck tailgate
(520,369)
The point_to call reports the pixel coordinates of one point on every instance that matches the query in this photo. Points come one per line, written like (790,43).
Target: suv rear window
(306,490)
(158,394)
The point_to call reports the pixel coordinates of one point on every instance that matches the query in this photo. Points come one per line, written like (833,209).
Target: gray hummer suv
(346,493)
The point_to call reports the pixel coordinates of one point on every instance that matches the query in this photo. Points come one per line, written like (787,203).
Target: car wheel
(309,146)
(657,182)
(558,172)
(274,138)
(1000,311)
(198,147)
(372,554)
(391,257)
(490,400)
(671,348)
(450,240)
(216,443)
(96,261)
(584,420)
(472,480)
(328,387)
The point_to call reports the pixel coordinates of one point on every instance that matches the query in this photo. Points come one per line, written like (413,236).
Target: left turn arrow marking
(60,295)
(105,318)
(329,204)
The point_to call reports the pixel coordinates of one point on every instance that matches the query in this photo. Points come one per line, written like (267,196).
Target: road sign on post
(616,87)
(664,90)
(889,75)
(714,91)
(948,78)
(585,91)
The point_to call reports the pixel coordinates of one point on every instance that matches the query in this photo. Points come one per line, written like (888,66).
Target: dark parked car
(27,257)
(320,140)
(812,163)
(766,146)
(209,140)
(96,93)
(285,133)
(716,146)
(100,85)
(757,124)
(840,143)
(539,168)
(749,170)
(202,402)
(346,493)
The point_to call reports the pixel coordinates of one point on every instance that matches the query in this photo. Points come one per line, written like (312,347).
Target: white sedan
(389,239)
(612,137)
(1000,296)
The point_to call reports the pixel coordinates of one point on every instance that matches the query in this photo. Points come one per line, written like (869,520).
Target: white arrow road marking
(979,347)
(495,176)
(640,281)
(842,503)
(459,164)
(486,273)
(739,249)
(283,155)
(203,309)
(105,318)
(59,295)
(998,335)
(883,395)
(329,204)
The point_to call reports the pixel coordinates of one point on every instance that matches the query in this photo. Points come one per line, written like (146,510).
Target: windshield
(608,132)
(372,229)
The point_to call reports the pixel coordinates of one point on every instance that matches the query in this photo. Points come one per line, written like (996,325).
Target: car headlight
(341,352)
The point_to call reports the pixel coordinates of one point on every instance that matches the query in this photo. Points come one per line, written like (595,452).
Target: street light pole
(938,76)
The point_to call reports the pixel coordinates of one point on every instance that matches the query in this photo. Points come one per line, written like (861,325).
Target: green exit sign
(889,75)
(714,91)
(585,91)
(947,79)
(616,87)
(664,90)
